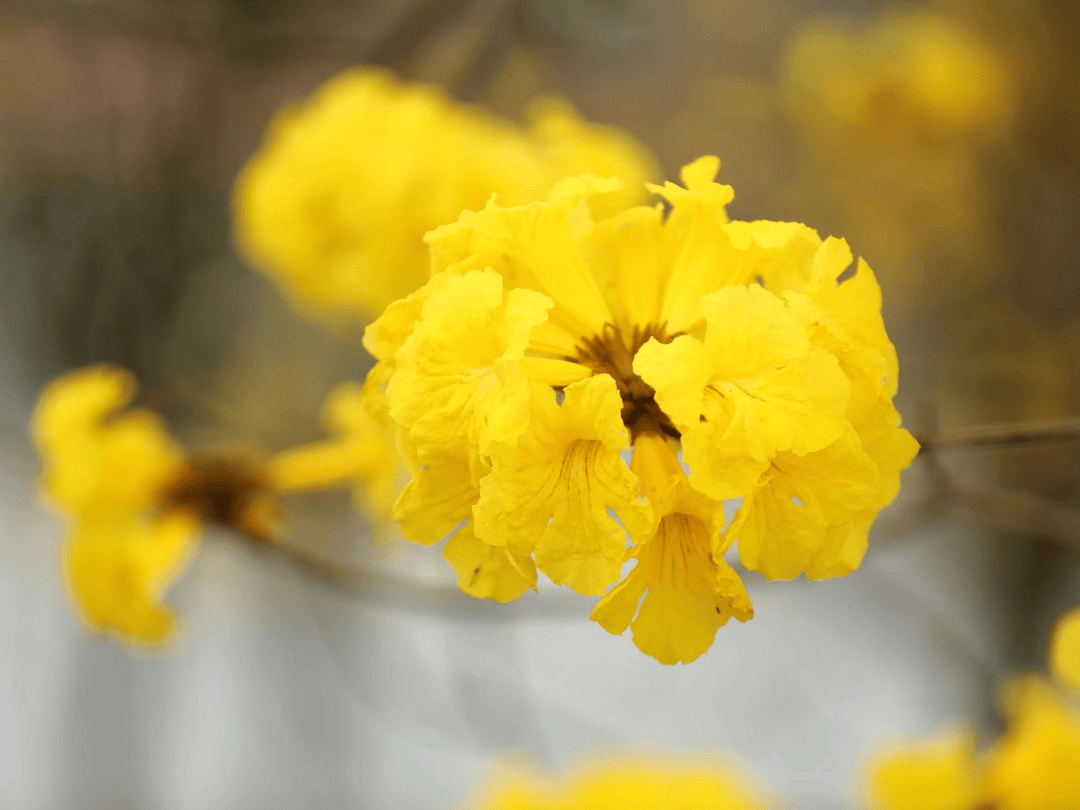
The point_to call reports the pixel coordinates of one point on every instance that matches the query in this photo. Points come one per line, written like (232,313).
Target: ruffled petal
(552,492)
(459,381)
(808,513)
(486,571)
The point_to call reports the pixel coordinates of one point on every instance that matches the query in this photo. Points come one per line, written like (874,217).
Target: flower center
(611,352)
(227,492)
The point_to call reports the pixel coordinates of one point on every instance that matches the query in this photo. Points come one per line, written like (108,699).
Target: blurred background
(939,138)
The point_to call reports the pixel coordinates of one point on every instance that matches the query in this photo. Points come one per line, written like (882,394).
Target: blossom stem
(1057,430)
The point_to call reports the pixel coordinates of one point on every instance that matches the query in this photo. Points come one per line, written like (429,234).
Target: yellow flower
(335,204)
(107,468)
(460,380)
(623,783)
(935,774)
(753,388)
(907,76)
(690,592)
(550,492)
(549,343)
(1065,650)
(1036,764)
(99,457)
(135,500)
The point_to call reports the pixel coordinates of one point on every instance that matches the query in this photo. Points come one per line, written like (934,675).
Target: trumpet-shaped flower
(551,491)
(335,205)
(753,388)
(689,590)
(135,500)
(98,456)
(118,572)
(106,468)
(460,380)
(359,453)
(548,342)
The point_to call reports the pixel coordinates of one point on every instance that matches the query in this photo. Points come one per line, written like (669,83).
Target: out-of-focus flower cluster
(624,783)
(135,499)
(550,341)
(336,203)
(896,117)
(907,76)
(1035,765)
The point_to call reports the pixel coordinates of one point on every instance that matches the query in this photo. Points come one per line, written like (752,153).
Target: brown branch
(1006,433)
(387,590)
(1022,512)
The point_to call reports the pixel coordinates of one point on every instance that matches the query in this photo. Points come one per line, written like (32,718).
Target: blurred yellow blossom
(896,116)
(623,783)
(941,773)
(335,204)
(550,342)
(1034,765)
(907,75)
(107,468)
(1065,650)
(135,500)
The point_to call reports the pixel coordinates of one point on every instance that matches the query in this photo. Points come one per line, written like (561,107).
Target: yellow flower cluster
(336,203)
(1035,765)
(624,783)
(549,343)
(908,75)
(135,500)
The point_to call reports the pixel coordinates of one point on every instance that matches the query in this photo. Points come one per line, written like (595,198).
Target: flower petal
(554,489)
(118,570)
(486,571)
(459,381)
(683,606)
(802,515)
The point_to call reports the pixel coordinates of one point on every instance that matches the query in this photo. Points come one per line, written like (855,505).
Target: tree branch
(1055,430)
(1022,512)
(387,590)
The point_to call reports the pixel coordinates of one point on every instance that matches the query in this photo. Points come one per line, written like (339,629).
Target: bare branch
(386,590)
(1020,512)
(1055,430)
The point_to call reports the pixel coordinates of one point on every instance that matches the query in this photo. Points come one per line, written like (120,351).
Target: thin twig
(386,590)
(1017,511)
(1056,430)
